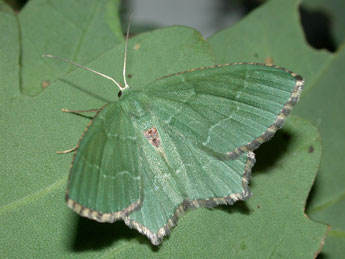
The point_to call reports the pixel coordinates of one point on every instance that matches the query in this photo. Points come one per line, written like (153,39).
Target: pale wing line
(263,85)
(128,156)
(239,102)
(191,129)
(185,146)
(187,126)
(247,111)
(217,96)
(183,102)
(235,100)
(130,138)
(98,168)
(123,154)
(99,172)
(212,122)
(184,105)
(215,124)
(226,130)
(201,151)
(227,82)
(225,115)
(90,213)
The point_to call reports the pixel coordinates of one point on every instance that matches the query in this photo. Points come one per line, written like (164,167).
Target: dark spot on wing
(119,94)
(129,76)
(153,137)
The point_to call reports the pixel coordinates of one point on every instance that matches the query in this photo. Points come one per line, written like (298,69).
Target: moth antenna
(125,56)
(86,68)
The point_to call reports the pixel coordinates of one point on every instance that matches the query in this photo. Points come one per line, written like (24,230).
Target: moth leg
(74,111)
(67,151)
(79,111)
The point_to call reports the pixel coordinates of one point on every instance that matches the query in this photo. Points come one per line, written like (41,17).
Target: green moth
(183,141)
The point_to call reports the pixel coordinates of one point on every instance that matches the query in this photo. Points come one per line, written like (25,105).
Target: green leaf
(150,59)
(324,106)
(9,52)
(321,100)
(69,29)
(36,219)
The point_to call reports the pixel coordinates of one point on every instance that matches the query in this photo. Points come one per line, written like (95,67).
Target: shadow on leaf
(92,235)
(238,207)
(269,153)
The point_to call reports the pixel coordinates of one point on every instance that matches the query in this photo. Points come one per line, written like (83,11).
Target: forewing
(104,182)
(227,108)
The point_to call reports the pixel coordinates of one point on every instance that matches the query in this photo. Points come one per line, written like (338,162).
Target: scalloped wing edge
(157,238)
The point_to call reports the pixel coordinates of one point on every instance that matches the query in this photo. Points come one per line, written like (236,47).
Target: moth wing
(104,182)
